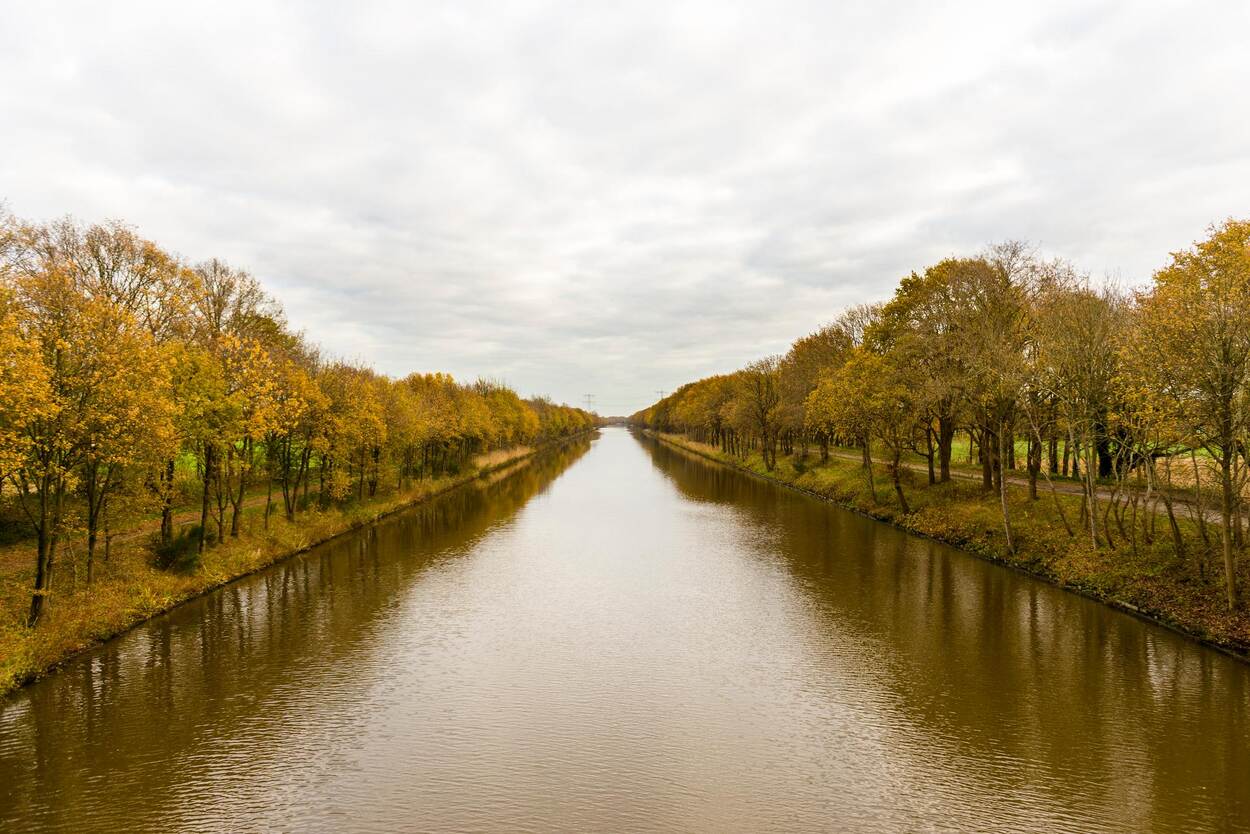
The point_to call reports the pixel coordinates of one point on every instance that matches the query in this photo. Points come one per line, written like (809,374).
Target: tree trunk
(321,482)
(222,494)
(167,504)
(928,441)
(872,483)
(946,437)
(1200,516)
(373,479)
(1226,519)
(1002,492)
(1091,490)
(304,467)
(209,461)
(895,466)
(43,576)
(108,530)
(1178,541)
(1054,494)
(984,447)
(1034,466)
(45,550)
(245,465)
(268,493)
(998,459)
(92,485)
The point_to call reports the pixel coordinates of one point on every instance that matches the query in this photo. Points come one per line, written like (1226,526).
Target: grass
(142,579)
(1150,579)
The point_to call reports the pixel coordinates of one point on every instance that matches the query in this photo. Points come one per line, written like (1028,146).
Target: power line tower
(590,402)
(662,394)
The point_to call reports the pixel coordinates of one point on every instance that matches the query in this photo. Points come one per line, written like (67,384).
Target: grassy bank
(130,589)
(1147,578)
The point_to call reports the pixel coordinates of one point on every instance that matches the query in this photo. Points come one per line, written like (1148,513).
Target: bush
(182,552)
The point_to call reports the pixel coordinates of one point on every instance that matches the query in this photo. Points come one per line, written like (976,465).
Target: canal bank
(961,518)
(133,591)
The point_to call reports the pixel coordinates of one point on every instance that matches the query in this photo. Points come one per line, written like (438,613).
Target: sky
(616,198)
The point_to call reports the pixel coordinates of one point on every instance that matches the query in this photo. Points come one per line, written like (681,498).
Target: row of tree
(1139,389)
(123,368)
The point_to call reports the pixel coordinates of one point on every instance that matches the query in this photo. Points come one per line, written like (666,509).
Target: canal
(620,636)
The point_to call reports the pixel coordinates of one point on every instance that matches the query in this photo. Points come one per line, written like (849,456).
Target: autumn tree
(928,315)
(809,359)
(1196,336)
(294,402)
(845,406)
(102,373)
(760,391)
(1078,331)
(24,392)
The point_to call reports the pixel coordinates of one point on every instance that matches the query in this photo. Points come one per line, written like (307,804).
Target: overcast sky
(615,198)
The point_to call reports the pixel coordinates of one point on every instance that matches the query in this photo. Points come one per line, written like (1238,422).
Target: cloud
(619,198)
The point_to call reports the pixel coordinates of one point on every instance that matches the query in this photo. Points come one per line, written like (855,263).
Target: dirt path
(185,518)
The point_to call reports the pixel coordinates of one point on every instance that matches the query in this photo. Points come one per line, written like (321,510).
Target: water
(623,637)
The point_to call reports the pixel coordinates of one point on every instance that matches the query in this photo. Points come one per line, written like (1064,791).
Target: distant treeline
(122,365)
(1135,388)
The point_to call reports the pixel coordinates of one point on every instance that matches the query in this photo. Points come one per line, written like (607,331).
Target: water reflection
(130,731)
(1024,685)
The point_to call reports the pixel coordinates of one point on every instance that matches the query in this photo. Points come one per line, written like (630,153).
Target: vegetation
(1117,415)
(135,386)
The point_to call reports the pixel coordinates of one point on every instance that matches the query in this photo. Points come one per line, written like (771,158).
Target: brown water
(623,637)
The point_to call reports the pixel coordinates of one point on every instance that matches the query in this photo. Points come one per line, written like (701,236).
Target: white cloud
(618,198)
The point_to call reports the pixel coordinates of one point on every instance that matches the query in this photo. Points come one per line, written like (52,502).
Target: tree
(928,311)
(230,315)
(845,405)
(129,423)
(204,416)
(994,334)
(1078,332)
(252,384)
(100,371)
(808,361)
(24,392)
(300,407)
(1195,324)
(759,383)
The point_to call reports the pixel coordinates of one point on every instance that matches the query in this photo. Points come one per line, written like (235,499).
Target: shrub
(182,552)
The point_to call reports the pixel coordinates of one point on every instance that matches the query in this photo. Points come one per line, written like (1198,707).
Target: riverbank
(131,590)
(1145,580)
